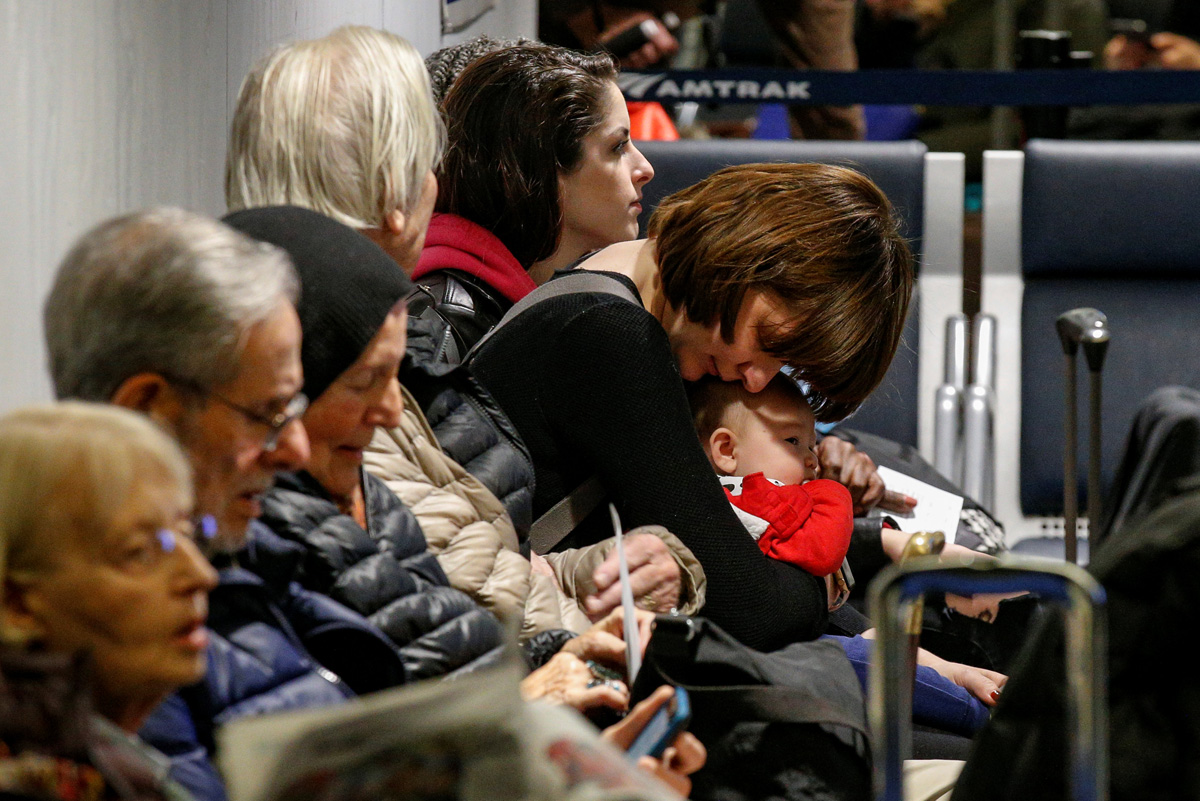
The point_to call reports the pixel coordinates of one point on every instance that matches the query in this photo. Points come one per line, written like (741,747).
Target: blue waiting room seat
(1111,225)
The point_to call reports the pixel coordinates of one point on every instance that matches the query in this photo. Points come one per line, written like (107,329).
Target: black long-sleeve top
(590,383)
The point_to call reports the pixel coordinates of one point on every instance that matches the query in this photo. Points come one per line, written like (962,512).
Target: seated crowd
(298,458)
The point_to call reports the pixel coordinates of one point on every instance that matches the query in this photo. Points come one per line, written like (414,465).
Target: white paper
(470,739)
(633,646)
(936,510)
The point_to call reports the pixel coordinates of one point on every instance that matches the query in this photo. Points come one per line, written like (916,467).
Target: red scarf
(456,243)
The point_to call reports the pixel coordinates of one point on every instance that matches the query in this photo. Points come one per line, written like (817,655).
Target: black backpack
(787,725)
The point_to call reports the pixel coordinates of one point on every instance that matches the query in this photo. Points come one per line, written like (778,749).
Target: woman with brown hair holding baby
(753,268)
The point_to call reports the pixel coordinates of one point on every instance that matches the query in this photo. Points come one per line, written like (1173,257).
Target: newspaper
(471,738)
(936,509)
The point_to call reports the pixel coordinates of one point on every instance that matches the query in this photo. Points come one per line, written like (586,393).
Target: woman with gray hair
(98,563)
(344,125)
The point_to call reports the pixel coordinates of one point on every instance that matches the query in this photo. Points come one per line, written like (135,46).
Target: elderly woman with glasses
(99,562)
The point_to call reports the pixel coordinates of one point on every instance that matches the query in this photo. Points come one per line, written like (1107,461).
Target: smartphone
(1135,30)
(633,38)
(667,723)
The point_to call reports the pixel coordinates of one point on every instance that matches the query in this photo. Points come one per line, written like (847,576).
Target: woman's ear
(721,449)
(18,620)
(395,224)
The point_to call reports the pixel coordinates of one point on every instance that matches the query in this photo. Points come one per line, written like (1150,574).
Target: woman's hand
(681,759)
(852,468)
(1123,53)
(894,541)
(1175,52)
(604,642)
(660,44)
(565,679)
(1167,50)
(653,574)
(985,606)
(983,684)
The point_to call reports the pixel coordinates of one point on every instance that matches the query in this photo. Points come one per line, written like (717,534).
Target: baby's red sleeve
(809,525)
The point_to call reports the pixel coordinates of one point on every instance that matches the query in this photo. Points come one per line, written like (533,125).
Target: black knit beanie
(347,285)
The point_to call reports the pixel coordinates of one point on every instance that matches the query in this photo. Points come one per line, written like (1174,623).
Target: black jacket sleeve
(611,392)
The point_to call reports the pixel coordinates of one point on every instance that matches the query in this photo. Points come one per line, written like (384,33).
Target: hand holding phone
(668,722)
(655,728)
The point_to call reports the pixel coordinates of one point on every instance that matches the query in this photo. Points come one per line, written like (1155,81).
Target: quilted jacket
(384,572)
(273,646)
(468,424)
(476,544)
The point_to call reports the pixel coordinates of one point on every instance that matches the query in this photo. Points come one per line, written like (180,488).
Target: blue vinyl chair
(1111,225)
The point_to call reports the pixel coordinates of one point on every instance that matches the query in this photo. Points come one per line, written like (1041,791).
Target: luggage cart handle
(890,696)
(1087,327)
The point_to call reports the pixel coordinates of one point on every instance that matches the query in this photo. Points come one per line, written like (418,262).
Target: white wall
(111,105)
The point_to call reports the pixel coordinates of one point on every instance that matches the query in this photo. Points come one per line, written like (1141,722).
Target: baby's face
(777,438)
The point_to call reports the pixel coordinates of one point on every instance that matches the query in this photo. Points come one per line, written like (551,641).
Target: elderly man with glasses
(184,319)
(192,323)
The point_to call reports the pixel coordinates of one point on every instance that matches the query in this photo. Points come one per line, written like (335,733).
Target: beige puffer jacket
(476,545)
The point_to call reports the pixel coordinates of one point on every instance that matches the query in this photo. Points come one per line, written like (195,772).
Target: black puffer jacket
(468,424)
(384,573)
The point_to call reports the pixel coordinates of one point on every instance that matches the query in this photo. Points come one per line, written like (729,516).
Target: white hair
(344,125)
(161,291)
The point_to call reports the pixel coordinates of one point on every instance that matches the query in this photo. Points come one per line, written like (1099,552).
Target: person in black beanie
(364,548)
(349,286)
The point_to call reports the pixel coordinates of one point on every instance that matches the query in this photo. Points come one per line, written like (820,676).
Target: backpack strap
(561,519)
(576,281)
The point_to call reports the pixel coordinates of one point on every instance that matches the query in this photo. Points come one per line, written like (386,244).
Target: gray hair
(445,65)
(344,125)
(73,466)
(162,291)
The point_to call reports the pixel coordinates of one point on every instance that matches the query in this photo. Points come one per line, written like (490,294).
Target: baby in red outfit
(763,446)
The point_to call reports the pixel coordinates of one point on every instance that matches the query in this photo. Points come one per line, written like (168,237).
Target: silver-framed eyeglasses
(200,530)
(145,550)
(276,423)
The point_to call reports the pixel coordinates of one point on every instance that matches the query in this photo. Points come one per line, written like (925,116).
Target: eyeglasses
(200,530)
(295,407)
(144,551)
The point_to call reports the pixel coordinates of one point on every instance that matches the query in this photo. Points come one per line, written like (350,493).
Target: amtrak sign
(662,87)
(915,87)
